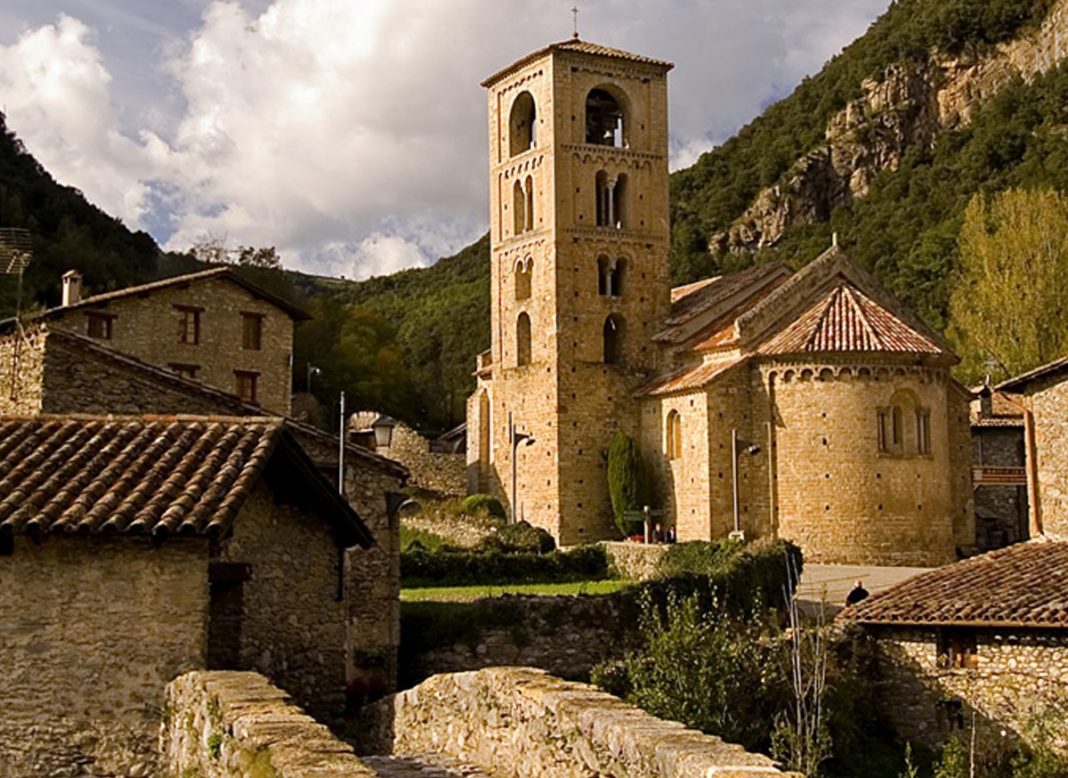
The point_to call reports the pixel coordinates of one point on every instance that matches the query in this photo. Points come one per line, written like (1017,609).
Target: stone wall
(223,724)
(1049,403)
(21,372)
(636,561)
(93,629)
(292,625)
(444,473)
(1021,676)
(565,636)
(146,326)
(523,722)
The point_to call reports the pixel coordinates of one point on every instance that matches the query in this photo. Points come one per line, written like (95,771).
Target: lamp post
(383,430)
(517,439)
(737,447)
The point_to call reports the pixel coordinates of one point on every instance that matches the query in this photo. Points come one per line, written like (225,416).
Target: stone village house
(136,548)
(807,405)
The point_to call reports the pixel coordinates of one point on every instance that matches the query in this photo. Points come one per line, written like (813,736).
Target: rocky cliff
(907,107)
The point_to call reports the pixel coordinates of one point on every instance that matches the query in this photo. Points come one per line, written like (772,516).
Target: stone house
(1042,395)
(136,548)
(213,326)
(808,405)
(44,370)
(438,465)
(999,470)
(985,637)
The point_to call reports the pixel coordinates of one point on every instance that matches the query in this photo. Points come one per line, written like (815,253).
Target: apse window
(923,431)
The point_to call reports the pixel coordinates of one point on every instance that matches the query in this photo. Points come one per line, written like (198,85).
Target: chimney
(72,287)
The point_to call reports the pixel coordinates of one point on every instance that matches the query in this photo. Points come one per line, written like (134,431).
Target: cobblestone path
(421,766)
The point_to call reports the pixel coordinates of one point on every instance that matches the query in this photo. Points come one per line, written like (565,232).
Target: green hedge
(420,567)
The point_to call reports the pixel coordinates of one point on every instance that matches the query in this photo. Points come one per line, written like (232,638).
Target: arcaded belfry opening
(614,334)
(606,122)
(522,127)
(522,340)
(523,270)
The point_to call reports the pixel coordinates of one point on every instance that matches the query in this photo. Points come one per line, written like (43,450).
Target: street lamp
(312,370)
(517,439)
(737,447)
(383,429)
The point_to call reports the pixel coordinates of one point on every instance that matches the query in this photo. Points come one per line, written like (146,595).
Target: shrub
(447,567)
(519,538)
(483,503)
(627,483)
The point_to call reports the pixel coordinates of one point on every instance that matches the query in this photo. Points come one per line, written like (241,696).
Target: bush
(519,538)
(475,504)
(447,567)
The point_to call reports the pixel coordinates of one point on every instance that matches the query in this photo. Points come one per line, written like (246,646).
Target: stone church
(809,405)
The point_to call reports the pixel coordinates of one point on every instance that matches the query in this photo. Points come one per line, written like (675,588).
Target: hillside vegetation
(406,343)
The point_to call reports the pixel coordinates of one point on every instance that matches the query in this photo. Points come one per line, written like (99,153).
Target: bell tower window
(522,125)
(614,332)
(610,276)
(522,340)
(524,269)
(529,211)
(611,200)
(605,119)
(519,208)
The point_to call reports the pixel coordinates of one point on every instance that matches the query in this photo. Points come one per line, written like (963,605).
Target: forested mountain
(886,145)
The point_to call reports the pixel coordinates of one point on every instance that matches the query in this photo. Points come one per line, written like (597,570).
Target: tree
(627,486)
(1010,304)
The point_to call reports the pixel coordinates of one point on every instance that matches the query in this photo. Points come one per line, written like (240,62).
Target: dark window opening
(252,331)
(611,196)
(523,272)
(522,338)
(923,431)
(604,119)
(99,325)
(246,381)
(225,611)
(519,203)
(189,324)
(613,339)
(522,125)
(958,649)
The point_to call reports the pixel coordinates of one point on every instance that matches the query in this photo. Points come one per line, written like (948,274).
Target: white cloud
(351,135)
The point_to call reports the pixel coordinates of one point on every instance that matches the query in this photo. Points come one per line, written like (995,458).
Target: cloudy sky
(350,134)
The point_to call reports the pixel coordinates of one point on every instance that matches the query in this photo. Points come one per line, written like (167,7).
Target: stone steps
(421,766)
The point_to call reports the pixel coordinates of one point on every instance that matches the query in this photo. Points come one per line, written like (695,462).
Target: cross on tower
(575,13)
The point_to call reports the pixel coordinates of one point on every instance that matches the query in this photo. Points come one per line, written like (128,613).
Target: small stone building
(437,465)
(999,470)
(810,406)
(212,326)
(986,636)
(134,549)
(1042,394)
(44,370)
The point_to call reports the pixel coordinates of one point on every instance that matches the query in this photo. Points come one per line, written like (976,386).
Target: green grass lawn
(466,593)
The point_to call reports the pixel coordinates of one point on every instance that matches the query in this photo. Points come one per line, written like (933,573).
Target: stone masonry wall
(524,723)
(440,472)
(293,622)
(21,368)
(93,629)
(1049,403)
(224,724)
(146,326)
(636,561)
(1021,677)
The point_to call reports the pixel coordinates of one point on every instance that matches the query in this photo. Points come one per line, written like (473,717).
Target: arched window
(673,436)
(522,340)
(530,203)
(604,272)
(524,269)
(484,427)
(614,333)
(519,203)
(903,426)
(611,200)
(615,278)
(522,127)
(605,119)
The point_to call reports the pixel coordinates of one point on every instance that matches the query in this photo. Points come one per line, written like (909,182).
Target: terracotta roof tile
(151,475)
(688,379)
(1025,585)
(582,47)
(846,319)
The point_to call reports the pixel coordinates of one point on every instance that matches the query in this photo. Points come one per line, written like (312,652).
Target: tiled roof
(1021,382)
(691,300)
(846,319)
(1025,585)
(686,380)
(150,475)
(579,46)
(226,273)
(226,402)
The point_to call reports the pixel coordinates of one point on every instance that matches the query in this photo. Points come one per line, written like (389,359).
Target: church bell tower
(579,235)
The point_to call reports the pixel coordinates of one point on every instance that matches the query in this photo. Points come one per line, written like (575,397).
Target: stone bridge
(492,723)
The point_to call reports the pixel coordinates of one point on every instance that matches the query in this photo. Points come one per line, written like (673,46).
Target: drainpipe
(1034,509)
